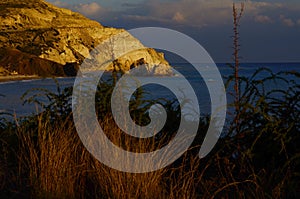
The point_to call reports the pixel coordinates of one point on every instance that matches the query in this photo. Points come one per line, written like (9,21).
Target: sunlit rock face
(59,35)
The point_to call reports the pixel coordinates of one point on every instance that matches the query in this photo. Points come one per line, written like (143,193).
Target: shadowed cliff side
(14,61)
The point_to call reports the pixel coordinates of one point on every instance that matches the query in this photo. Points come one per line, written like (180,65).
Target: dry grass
(55,164)
(58,166)
(43,157)
(54,160)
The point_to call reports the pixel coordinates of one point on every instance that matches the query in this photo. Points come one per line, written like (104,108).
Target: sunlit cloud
(190,13)
(203,13)
(178,17)
(195,13)
(90,9)
(286,21)
(263,19)
(60,4)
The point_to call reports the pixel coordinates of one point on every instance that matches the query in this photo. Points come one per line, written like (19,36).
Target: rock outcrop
(24,63)
(60,37)
(4,72)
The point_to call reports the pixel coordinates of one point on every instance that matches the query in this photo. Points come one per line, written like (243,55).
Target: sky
(269,29)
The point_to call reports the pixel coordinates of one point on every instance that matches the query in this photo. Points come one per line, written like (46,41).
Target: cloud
(140,18)
(188,13)
(60,4)
(287,21)
(191,16)
(195,13)
(178,17)
(90,9)
(263,19)
(203,13)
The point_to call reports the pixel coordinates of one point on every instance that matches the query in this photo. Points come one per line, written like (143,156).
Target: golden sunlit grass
(54,159)
(59,166)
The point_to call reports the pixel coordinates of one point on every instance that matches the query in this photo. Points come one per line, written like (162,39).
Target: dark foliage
(261,160)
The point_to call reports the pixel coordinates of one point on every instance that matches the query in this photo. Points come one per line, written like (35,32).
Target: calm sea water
(12,91)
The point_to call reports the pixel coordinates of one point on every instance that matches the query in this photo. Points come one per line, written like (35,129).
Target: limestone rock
(3,71)
(38,28)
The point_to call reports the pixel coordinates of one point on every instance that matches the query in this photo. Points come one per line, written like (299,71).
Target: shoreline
(5,79)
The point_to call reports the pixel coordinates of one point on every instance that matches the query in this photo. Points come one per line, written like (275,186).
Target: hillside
(59,37)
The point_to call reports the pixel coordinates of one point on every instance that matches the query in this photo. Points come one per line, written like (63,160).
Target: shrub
(261,160)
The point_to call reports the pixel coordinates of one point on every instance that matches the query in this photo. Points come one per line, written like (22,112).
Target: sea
(11,92)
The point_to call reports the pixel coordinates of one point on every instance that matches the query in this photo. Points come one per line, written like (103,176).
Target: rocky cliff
(47,36)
